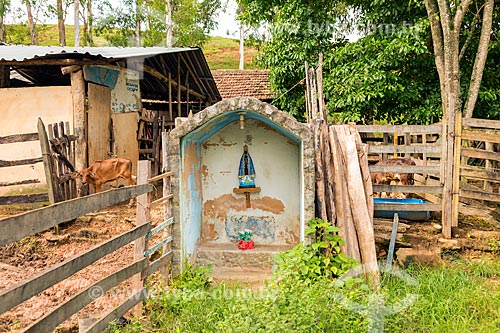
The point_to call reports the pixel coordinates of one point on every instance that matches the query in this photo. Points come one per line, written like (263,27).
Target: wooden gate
(479,171)
(58,153)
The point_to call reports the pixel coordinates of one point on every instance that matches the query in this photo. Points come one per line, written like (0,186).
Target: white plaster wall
(276,161)
(20,109)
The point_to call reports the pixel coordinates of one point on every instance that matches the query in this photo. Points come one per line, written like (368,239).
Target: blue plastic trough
(405,215)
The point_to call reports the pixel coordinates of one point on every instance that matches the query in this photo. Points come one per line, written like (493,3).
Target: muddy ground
(32,255)
(477,234)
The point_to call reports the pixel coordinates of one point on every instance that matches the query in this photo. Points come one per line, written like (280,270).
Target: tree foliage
(388,74)
(192,21)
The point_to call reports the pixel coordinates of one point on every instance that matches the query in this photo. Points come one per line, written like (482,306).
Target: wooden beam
(102,324)
(153,72)
(481,154)
(480,174)
(79,122)
(408,189)
(412,129)
(480,195)
(413,149)
(25,198)
(429,169)
(26,224)
(199,84)
(51,320)
(481,135)
(142,218)
(47,163)
(70,69)
(19,138)
(30,287)
(20,162)
(486,123)
(21,182)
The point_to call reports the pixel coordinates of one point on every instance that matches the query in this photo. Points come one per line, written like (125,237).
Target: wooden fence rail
(17,227)
(26,198)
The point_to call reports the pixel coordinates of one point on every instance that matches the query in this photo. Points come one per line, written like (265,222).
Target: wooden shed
(116,100)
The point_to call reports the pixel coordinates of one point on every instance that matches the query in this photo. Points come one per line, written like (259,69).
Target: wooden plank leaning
(28,288)
(19,226)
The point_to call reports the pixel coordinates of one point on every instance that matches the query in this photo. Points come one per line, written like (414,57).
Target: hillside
(220,52)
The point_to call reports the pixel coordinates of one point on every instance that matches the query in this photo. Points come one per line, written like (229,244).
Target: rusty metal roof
(42,66)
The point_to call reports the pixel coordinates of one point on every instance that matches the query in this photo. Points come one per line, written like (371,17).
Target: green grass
(459,297)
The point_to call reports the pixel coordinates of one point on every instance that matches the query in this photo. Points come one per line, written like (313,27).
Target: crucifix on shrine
(246,175)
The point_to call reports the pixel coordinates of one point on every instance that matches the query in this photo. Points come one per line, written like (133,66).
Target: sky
(227,24)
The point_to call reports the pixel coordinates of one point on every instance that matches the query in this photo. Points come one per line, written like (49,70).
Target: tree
(191,20)
(31,21)
(299,31)
(76,14)
(4,8)
(60,23)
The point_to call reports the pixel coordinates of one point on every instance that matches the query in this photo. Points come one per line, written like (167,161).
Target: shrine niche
(240,164)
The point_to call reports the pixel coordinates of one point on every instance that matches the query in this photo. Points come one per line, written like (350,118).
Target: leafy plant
(322,258)
(192,277)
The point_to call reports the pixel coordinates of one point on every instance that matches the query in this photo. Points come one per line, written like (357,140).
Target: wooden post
(456,170)
(47,162)
(4,76)
(79,121)
(343,209)
(321,99)
(170,111)
(488,146)
(142,217)
(447,160)
(320,176)
(179,84)
(168,204)
(308,94)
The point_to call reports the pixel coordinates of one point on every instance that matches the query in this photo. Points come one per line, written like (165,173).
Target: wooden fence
(422,144)
(479,172)
(26,198)
(17,227)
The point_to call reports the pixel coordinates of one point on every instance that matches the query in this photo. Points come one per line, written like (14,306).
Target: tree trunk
(77,22)
(3,10)
(60,23)
(90,23)
(137,23)
(481,55)
(169,23)
(242,41)
(31,22)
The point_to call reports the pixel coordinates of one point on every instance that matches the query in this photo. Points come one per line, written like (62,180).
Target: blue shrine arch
(205,153)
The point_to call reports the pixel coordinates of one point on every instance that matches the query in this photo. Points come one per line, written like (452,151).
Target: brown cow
(101,172)
(394,178)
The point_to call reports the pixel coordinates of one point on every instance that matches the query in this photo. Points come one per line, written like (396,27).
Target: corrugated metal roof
(25,52)
(164,60)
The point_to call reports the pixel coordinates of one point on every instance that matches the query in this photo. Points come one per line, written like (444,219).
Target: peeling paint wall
(274,215)
(204,155)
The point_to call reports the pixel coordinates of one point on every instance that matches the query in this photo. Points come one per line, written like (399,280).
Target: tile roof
(247,83)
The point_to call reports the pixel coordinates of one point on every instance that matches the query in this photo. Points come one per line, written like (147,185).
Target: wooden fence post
(456,170)
(47,161)
(79,129)
(142,217)
(168,204)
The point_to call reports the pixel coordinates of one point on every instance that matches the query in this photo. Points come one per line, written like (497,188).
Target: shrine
(242,167)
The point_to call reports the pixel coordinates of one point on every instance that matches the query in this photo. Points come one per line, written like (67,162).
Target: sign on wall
(124,84)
